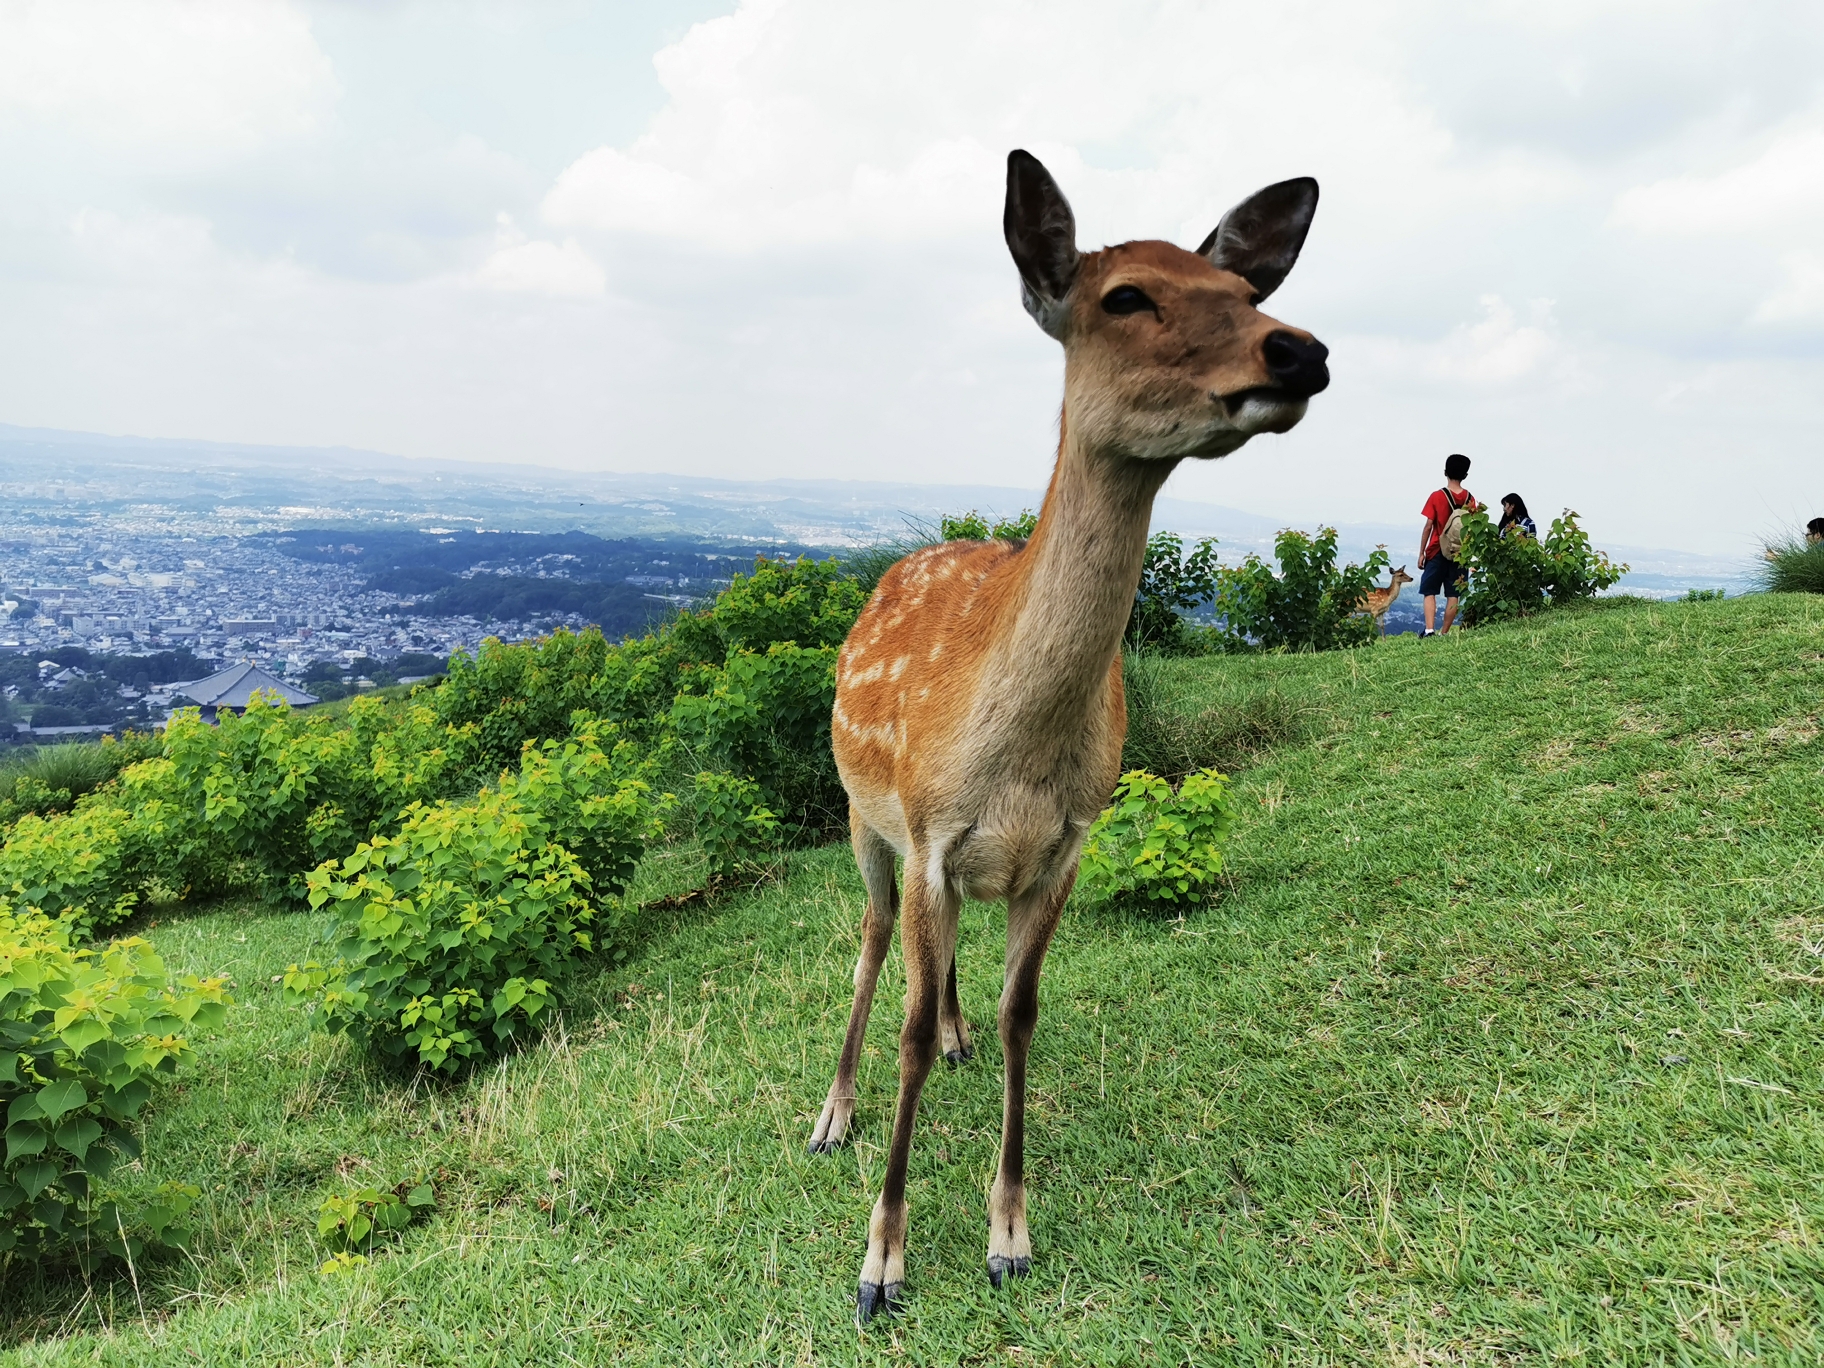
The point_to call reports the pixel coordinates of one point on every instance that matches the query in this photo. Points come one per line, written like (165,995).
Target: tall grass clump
(1792,567)
(47,779)
(1166,741)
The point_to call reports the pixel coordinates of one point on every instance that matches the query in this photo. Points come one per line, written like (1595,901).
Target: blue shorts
(1441,575)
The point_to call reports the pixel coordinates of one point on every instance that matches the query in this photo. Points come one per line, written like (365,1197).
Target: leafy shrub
(1516,575)
(732,820)
(537,690)
(1705,595)
(972,526)
(170,849)
(513,694)
(1163,740)
(1792,567)
(82,1034)
(1171,584)
(803,602)
(450,938)
(351,1223)
(767,718)
(287,790)
(76,866)
(1152,845)
(1310,605)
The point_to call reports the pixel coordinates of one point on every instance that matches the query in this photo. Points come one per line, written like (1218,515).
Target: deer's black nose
(1296,364)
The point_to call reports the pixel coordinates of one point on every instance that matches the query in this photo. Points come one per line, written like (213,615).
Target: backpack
(1450,536)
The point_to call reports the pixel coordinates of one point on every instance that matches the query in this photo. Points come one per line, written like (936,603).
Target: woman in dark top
(1513,514)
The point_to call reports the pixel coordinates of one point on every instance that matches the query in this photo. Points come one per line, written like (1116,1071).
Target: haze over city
(1576,241)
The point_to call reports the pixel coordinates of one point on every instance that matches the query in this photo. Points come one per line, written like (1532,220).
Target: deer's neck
(1080,571)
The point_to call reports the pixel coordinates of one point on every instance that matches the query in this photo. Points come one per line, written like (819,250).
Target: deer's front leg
(928,941)
(1030,923)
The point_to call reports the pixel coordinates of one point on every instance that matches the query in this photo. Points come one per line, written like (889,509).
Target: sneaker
(1426,633)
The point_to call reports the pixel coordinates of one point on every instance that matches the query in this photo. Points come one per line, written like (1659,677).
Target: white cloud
(1801,297)
(548,268)
(1780,189)
(140,72)
(1496,349)
(807,229)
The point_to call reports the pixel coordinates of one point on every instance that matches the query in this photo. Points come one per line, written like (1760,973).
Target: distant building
(234,688)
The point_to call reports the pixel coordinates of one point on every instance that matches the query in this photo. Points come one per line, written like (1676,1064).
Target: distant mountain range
(217,488)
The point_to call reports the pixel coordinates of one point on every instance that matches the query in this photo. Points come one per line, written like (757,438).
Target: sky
(1581,241)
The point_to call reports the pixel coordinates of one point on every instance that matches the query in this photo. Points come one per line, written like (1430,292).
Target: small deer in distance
(1377,601)
(979,715)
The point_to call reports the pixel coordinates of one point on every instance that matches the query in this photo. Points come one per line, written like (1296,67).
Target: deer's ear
(1260,238)
(1042,235)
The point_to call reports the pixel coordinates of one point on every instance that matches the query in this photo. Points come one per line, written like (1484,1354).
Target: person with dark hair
(1814,532)
(1441,543)
(1513,514)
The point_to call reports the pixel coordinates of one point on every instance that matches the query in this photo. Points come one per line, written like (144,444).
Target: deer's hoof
(876,1299)
(956,1057)
(824,1146)
(1001,1266)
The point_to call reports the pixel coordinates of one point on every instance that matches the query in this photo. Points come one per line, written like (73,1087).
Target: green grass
(1501,1045)
(1794,567)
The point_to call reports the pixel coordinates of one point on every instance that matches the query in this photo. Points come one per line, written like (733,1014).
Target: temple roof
(235,686)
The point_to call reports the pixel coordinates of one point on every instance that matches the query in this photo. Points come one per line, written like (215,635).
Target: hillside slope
(1501,1044)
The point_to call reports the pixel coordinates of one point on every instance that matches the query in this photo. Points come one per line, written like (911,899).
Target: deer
(979,717)
(1377,601)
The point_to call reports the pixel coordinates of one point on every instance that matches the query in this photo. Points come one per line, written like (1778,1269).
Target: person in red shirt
(1436,570)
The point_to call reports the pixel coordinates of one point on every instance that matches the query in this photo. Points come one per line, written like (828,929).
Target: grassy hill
(1503,1043)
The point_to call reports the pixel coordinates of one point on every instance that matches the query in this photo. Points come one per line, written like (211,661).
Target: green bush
(803,603)
(767,718)
(1171,584)
(1516,575)
(732,821)
(171,851)
(972,526)
(82,1034)
(535,691)
(77,866)
(351,1223)
(1792,567)
(285,791)
(453,936)
(1153,846)
(510,695)
(1309,605)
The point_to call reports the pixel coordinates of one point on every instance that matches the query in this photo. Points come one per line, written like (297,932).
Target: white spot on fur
(899,666)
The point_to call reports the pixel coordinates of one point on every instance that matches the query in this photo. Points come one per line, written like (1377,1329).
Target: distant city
(131,567)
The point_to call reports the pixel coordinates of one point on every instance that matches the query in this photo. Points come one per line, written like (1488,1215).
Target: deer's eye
(1127,299)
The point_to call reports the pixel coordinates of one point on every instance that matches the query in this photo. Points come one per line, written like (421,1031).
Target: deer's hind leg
(875,857)
(952,1030)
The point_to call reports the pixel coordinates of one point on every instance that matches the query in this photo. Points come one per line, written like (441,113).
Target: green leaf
(36,1177)
(64,1095)
(23,1139)
(77,1134)
(79,1035)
